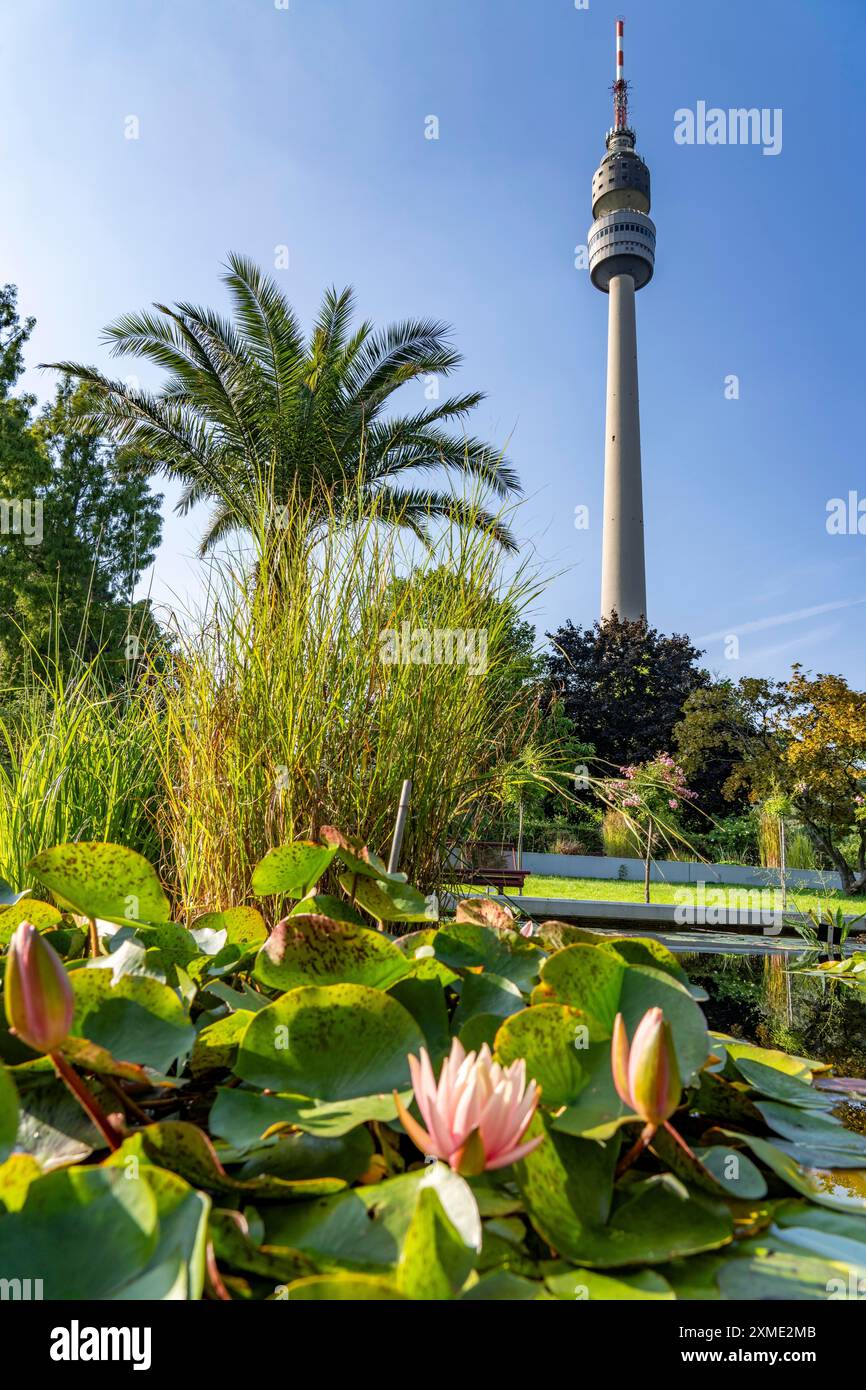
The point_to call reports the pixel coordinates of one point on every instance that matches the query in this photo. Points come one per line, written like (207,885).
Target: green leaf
(187,1150)
(503,1286)
(295,1154)
(465,946)
(102,880)
(233,1246)
(105,1226)
(785,1275)
(332,1043)
(217,1044)
(769,1081)
(138,1019)
(567,1186)
(597,1112)
(387,900)
(840,1190)
(435,1260)
(326,905)
(244,926)
(291,870)
(337,1288)
(310,950)
(16,1175)
(364,1228)
(487,994)
(425,1001)
(588,1285)
(546,1035)
(41,915)
(242,1117)
(588,978)
(721,1171)
(8,1114)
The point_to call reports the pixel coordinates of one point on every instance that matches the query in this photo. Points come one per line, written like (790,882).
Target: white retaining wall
(674,871)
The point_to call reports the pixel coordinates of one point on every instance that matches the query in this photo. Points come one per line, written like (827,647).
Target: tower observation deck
(621,246)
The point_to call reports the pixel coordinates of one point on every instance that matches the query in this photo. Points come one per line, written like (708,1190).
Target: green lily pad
(337,1288)
(243,926)
(387,900)
(332,1043)
(326,905)
(503,1286)
(588,1285)
(425,1001)
(645,950)
(105,1226)
(39,914)
(597,1112)
(242,1117)
(217,1044)
(567,1187)
(836,1190)
(435,1259)
(783,1275)
(601,986)
(724,1172)
(487,994)
(187,1150)
(480,1029)
(466,945)
(291,870)
(295,1154)
(363,1229)
(102,880)
(778,1085)
(8,1114)
(546,1036)
(234,1247)
(310,950)
(137,1018)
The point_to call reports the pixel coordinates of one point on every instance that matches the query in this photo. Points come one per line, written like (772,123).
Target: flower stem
(94,938)
(88,1102)
(680,1140)
(644,1138)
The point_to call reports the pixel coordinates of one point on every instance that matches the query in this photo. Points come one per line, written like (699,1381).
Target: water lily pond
(332,1094)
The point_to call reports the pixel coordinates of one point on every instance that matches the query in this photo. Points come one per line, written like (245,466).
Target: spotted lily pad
(312,950)
(291,870)
(330,1043)
(103,880)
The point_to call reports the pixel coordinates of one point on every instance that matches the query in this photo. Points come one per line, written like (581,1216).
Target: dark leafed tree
(623,686)
(254,411)
(78,525)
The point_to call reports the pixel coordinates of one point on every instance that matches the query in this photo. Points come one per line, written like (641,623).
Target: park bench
(492,864)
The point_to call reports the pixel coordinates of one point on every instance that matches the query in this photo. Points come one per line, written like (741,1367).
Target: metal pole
(519,864)
(402,813)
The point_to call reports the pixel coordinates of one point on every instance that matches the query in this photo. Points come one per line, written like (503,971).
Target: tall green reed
(302,695)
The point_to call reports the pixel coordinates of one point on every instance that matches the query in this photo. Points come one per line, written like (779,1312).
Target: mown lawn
(631,891)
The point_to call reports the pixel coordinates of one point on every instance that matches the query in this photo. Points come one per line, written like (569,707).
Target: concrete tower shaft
(621,247)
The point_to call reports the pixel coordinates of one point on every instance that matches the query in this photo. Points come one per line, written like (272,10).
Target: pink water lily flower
(477,1112)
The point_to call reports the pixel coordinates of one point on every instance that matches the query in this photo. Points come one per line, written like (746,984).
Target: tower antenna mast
(620,86)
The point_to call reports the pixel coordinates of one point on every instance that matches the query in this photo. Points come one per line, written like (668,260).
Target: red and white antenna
(620,86)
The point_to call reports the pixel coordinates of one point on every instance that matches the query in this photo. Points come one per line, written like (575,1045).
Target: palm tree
(249,399)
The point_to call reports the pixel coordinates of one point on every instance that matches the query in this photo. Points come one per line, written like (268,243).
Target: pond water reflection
(756,997)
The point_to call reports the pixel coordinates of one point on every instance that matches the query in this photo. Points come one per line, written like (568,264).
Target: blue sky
(304,127)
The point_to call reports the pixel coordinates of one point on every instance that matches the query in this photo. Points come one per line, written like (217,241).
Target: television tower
(621,247)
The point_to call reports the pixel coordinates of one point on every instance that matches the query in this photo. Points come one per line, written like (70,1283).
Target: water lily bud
(646,1075)
(37,993)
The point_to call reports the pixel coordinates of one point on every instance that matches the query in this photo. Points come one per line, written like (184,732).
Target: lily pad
(242,1117)
(136,1019)
(8,1114)
(291,870)
(103,880)
(187,1150)
(243,926)
(388,900)
(435,1259)
(546,1036)
(39,914)
(332,1043)
(465,946)
(487,994)
(311,950)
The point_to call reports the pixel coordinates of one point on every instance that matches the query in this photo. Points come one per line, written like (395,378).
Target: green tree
(78,524)
(254,413)
(804,740)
